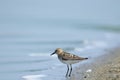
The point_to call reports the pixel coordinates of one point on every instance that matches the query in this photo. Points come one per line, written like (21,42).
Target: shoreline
(104,67)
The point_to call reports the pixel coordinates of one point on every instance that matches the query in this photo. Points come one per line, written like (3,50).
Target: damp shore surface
(105,67)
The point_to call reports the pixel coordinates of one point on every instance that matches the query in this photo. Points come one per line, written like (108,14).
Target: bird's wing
(69,56)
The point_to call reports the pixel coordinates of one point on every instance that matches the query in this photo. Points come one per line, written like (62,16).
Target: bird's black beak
(53,53)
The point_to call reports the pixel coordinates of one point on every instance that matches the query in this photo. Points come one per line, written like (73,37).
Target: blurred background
(30,30)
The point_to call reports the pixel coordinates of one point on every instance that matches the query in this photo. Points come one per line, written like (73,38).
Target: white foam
(92,45)
(84,48)
(79,49)
(99,44)
(33,77)
(89,70)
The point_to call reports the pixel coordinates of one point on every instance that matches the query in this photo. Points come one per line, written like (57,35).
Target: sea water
(26,45)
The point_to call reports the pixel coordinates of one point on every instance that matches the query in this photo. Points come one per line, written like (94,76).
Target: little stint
(67,58)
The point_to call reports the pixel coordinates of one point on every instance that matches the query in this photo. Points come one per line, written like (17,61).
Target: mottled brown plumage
(68,58)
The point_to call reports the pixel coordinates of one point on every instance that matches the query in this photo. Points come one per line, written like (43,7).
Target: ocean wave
(40,55)
(109,28)
(47,42)
(92,45)
(23,62)
(101,27)
(33,77)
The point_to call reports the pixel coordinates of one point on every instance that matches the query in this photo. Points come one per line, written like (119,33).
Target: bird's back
(69,56)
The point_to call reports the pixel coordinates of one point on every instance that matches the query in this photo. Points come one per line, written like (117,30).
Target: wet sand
(105,67)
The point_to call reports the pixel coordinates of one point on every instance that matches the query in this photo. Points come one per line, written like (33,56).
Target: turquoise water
(26,45)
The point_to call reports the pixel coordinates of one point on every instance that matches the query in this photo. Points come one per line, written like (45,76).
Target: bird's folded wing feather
(68,56)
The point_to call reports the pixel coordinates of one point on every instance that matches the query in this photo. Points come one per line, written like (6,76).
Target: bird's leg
(70,70)
(67,70)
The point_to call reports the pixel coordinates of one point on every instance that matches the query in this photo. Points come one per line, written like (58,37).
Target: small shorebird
(68,58)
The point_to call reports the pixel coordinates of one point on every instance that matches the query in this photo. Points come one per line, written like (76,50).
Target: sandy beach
(105,67)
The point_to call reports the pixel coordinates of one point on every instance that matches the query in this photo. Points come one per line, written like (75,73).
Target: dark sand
(105,67)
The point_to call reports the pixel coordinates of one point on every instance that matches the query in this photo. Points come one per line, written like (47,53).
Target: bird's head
(57,51)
